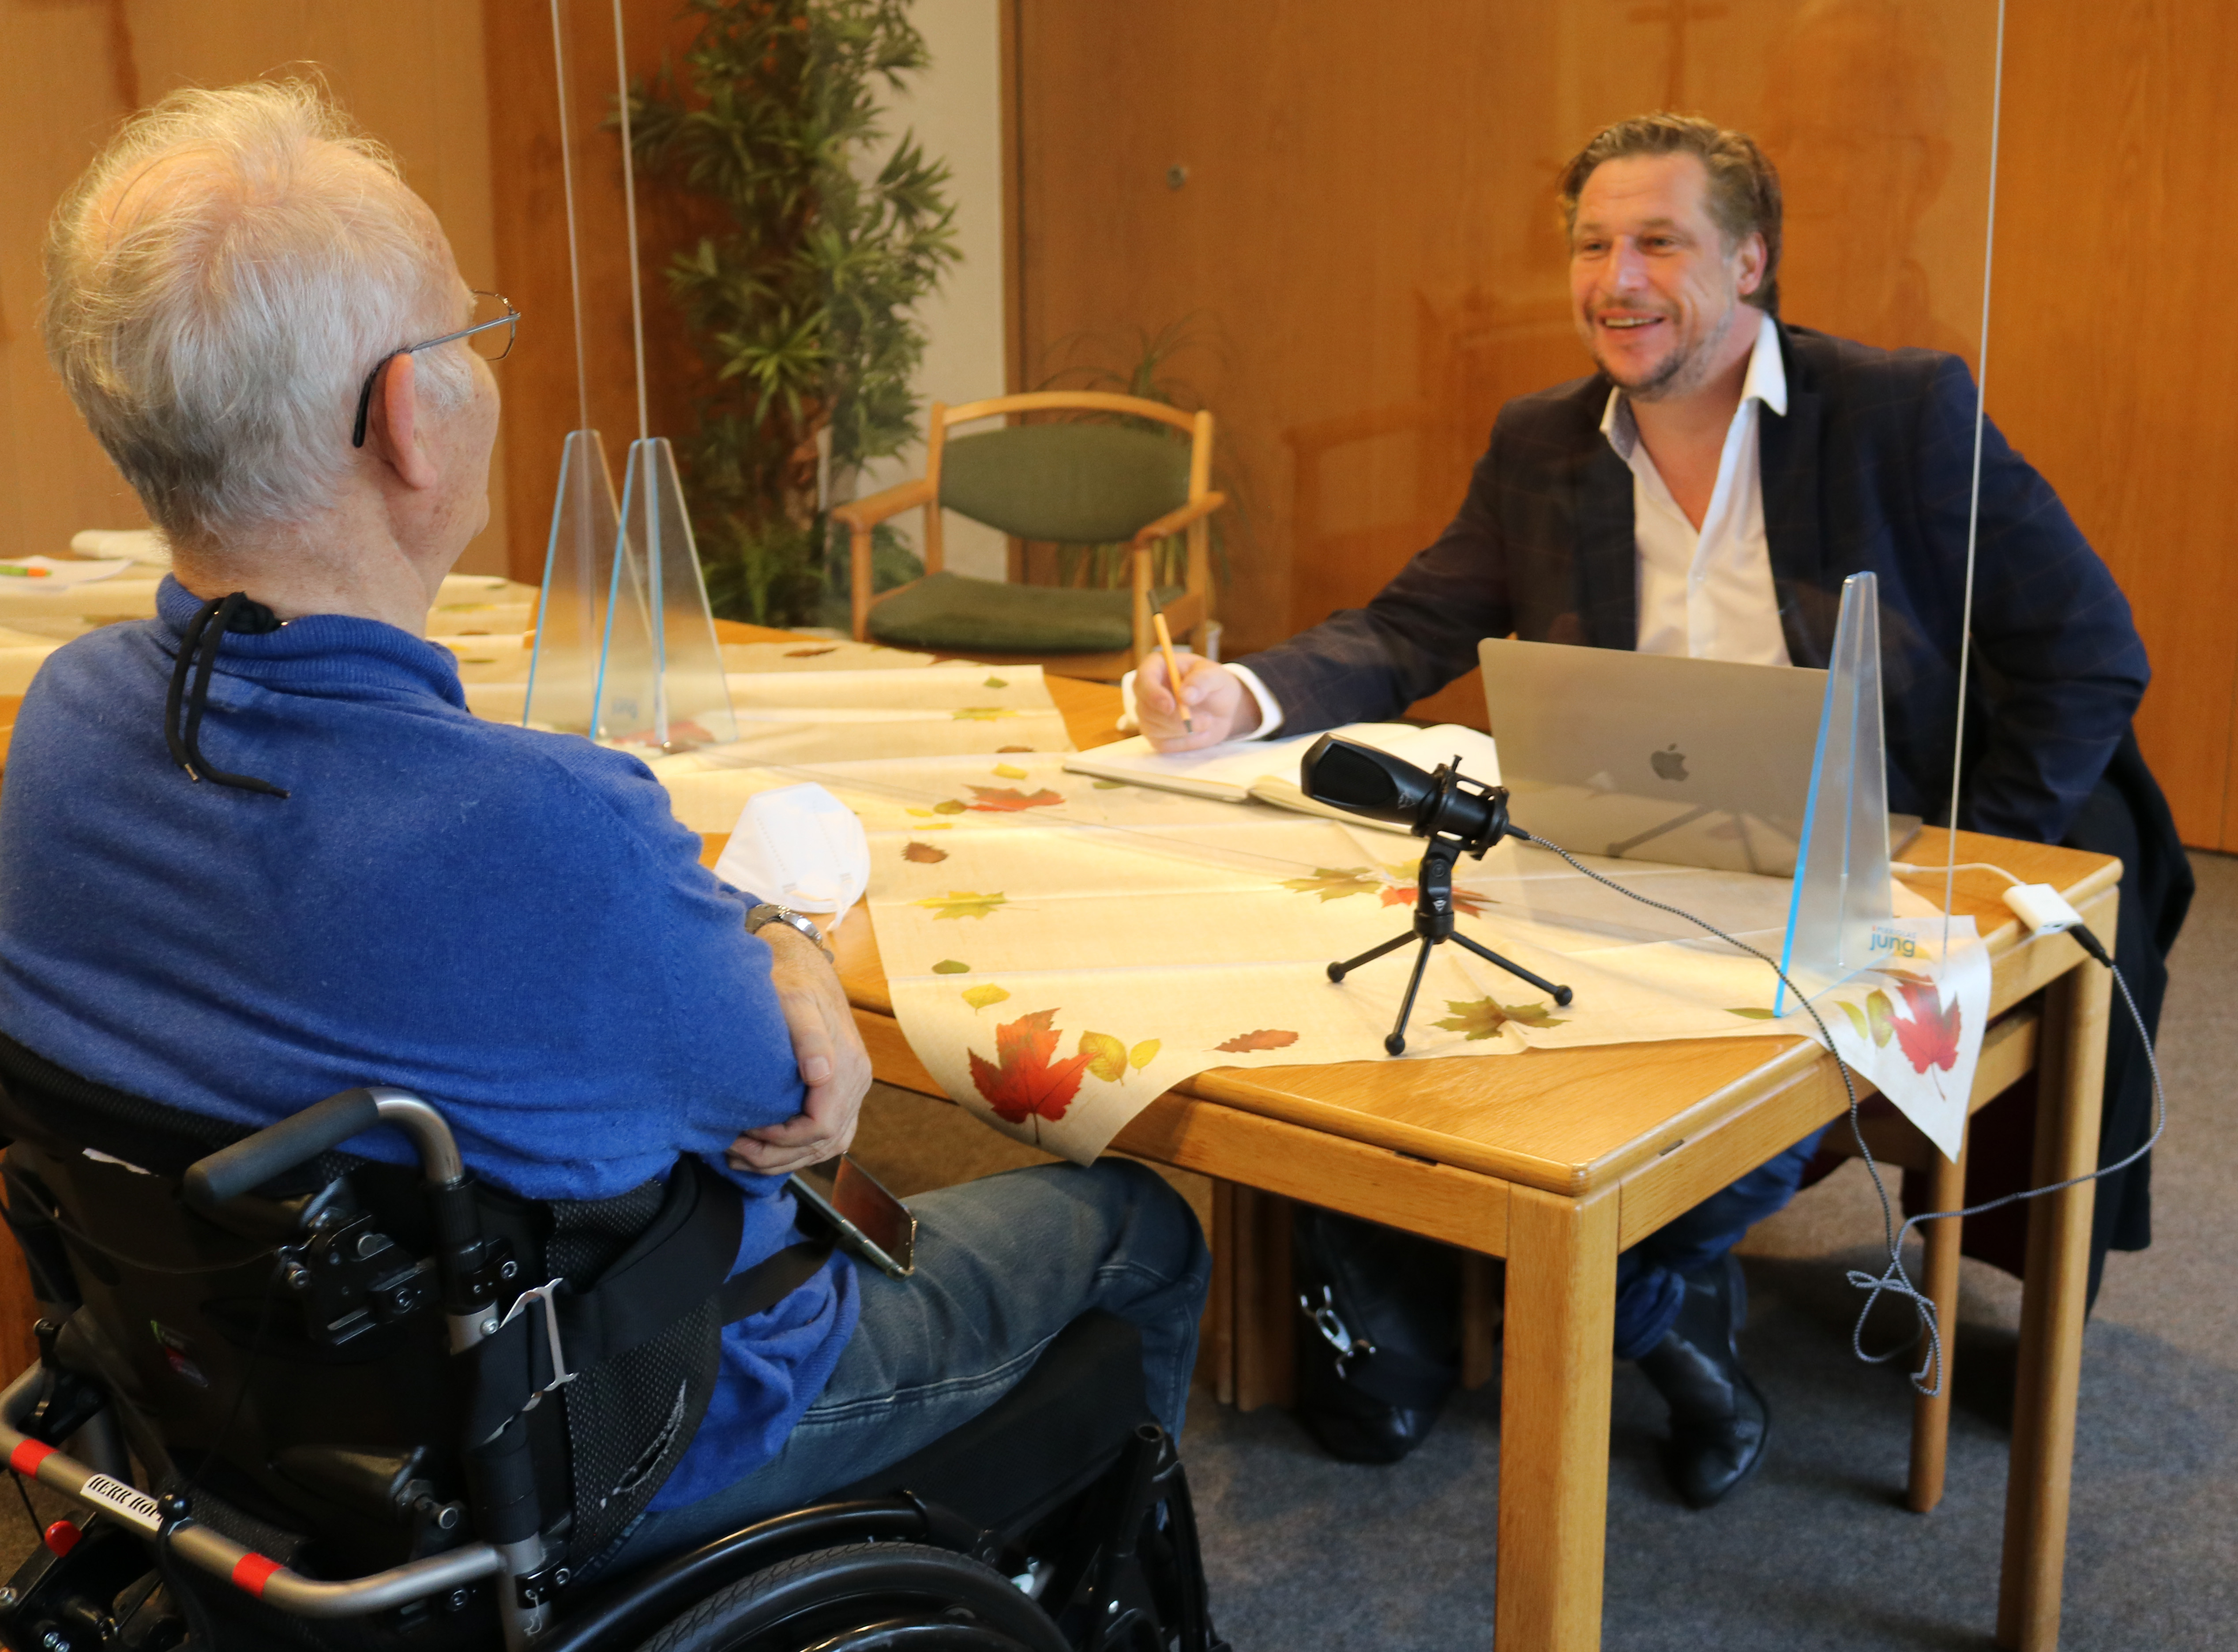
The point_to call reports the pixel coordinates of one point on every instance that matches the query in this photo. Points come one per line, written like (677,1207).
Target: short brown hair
(1743,185)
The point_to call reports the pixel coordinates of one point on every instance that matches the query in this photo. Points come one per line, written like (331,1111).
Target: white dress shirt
(1704,592)
(1708,592)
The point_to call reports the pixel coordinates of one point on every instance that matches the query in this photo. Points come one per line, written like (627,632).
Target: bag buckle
(1338,1336)
(543,1295)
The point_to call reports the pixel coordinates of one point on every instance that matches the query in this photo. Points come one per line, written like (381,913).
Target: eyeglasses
(492,311)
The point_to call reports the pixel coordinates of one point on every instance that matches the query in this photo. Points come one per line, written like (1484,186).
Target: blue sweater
(511,924)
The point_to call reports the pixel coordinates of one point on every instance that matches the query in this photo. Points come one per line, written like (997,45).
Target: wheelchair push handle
(277,1148)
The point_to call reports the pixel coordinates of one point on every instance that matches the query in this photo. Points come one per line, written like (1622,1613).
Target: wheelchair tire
(867,1598)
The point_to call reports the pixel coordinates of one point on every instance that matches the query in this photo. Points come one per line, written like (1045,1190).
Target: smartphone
(870,1222)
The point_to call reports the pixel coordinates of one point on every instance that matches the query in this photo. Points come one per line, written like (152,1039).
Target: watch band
(768,912)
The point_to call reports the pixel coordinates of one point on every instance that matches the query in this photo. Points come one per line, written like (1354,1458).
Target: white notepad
(1268,770)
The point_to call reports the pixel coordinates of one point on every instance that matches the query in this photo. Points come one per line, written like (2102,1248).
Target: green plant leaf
(950,806)
(1753,1013)
(995,682)
(952,967)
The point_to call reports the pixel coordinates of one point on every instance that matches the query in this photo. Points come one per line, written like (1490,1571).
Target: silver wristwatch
(769,913)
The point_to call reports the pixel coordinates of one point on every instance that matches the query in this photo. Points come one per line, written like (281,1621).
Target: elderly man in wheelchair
(517,1337)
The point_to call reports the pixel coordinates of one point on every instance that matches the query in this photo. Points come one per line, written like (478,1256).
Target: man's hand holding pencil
(1212,699)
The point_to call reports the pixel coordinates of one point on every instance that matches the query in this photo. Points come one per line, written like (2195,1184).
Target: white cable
(629,208)
(1903,869)
(1974,500)
(567,187)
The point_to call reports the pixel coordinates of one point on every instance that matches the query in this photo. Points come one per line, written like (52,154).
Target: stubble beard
(1685,370)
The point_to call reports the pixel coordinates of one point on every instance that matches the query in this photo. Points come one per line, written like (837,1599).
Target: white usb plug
(2046,912)
(2042,908)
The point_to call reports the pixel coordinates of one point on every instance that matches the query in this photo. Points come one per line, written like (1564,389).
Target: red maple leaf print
(1009,799)
(1022,1082)
(1930,1035)
(1408,893)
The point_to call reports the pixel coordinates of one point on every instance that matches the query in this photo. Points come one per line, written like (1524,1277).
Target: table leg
(2069,1096)
(1554,1420)
(1931,1413)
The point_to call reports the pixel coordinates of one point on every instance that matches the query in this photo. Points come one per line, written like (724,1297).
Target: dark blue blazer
(1870,467)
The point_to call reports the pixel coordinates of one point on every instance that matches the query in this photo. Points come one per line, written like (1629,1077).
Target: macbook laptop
(1656,756)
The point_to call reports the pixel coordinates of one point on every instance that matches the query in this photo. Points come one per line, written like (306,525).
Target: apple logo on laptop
(1669,763)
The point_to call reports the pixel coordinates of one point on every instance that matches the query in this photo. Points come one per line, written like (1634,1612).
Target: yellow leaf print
(1107,1056)
(962,903)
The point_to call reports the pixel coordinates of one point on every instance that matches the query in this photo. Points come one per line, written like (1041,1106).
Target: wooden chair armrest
(1174,521)
(867,513)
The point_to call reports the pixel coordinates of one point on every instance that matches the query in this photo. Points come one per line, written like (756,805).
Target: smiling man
(1704,493)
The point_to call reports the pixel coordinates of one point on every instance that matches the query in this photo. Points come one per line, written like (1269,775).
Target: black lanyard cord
(198,647)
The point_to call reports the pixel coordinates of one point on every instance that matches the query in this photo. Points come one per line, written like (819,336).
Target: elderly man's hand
(1219,705)
(833,1063)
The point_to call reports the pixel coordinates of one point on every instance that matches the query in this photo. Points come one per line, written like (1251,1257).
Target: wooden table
(1556,1159)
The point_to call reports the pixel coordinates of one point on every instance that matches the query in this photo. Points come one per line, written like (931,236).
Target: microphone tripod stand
(1433,926)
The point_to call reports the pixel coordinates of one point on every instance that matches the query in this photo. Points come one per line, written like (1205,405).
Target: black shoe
(1718,1418)
(1377,1354)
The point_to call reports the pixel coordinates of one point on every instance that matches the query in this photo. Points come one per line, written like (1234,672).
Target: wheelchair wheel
(867,1598)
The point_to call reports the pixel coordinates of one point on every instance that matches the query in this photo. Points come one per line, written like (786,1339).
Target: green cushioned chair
(1083,483)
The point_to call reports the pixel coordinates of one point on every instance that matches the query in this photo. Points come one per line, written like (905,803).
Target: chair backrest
(1090,481)
(1076,483)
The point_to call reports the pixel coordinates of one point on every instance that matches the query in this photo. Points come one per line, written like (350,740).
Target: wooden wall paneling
(531,247)
(2114,229)
(65,76)
(1367,240)
(410,72)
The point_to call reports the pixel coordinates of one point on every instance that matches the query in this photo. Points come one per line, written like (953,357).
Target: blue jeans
(1650,1276)
(1002,1264)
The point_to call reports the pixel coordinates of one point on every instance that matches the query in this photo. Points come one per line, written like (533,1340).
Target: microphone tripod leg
(1396,1044)
(1561,994)
(1339,971)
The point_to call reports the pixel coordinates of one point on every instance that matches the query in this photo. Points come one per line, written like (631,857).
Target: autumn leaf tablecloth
(867,714)
(1062,949)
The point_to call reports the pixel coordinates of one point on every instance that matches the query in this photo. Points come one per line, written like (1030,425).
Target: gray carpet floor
(1817,1550)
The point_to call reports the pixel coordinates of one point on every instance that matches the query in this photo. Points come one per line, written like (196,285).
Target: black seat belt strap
(679,1264)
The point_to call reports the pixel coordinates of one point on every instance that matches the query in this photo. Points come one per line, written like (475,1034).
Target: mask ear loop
(198,651)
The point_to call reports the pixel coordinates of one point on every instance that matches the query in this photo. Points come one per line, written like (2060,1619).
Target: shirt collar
(1766,382)
(335,654)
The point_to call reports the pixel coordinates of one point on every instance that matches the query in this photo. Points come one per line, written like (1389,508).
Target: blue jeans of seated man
(1650,1276)
(1002,1264)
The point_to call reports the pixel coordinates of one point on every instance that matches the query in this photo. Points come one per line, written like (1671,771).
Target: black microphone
(1362,781)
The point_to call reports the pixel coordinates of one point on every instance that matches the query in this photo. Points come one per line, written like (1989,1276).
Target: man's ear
(1749,263)
(394,429)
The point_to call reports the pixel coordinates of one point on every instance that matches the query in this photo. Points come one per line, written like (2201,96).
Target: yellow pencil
(1173,671)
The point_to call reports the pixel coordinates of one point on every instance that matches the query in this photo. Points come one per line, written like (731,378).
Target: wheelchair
(305,1400)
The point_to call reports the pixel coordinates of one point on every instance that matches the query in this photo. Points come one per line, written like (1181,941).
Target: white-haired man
(267,331)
